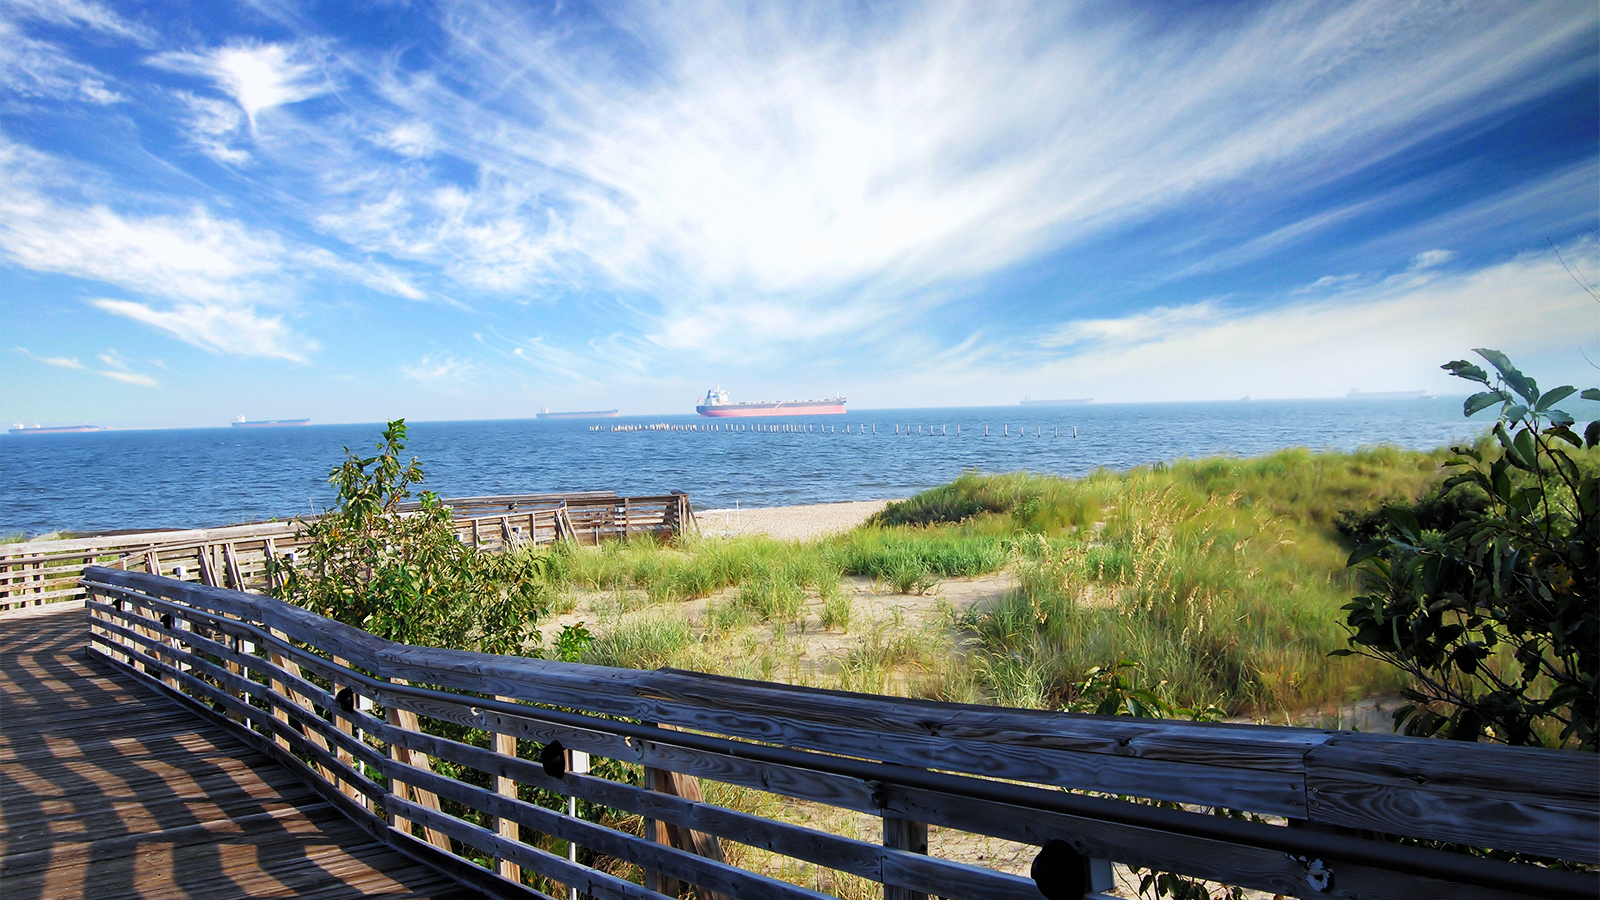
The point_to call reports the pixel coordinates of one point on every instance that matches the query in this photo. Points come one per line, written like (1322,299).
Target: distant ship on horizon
(242,422)
(19,428)
(1386,395)
(716,405)
(1028,401)
(545,413)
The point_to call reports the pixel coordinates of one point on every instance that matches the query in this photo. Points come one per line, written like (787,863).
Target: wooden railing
(38,573)
(364,721)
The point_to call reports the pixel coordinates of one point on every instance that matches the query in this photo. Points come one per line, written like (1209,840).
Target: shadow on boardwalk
(108,790)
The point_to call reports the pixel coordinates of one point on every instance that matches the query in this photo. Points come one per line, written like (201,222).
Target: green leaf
(1479,402)
(1591,434)
(1559,417)
(1463,369)
(1517,381)
(1590,394)
(1528,448)
(1405,521)
(1554,396)
(1365,552)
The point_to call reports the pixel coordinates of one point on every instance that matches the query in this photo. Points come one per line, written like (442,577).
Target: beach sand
(789,523)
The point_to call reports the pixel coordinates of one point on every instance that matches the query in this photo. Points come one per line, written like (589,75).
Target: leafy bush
(405,576)
(1496,619)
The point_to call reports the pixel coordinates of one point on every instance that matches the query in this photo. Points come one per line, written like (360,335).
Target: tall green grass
(1224,577)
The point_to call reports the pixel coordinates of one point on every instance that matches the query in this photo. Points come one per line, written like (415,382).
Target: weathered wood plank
(104,820)
(1447,791)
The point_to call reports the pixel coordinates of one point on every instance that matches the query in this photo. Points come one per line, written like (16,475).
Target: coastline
(789,523)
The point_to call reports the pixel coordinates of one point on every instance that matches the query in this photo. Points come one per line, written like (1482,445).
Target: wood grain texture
(130,795)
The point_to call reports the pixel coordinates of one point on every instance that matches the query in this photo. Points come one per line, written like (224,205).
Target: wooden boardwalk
(110,790)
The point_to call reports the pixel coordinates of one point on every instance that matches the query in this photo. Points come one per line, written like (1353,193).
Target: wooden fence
(368,722)
(36,573)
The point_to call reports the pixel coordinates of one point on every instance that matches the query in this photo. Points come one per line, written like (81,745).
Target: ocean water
(192,478)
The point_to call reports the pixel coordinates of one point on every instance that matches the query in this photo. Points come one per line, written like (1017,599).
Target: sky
(358,211)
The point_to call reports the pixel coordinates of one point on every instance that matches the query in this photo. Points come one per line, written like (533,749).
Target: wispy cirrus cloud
(1382,332)
(212,282)
(815,170)
(134,378)
(63,362)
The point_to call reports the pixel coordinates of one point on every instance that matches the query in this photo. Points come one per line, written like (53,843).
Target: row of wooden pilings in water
(807,428)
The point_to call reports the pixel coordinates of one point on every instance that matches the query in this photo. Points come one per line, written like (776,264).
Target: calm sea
(220,476)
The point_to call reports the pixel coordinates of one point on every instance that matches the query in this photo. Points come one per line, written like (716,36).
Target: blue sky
(356,211)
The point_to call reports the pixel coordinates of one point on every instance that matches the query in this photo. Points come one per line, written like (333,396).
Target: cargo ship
(19,428)
(717,405)
(545,413)
(242,422)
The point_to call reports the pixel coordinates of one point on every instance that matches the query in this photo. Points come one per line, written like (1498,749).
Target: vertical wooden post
(506,744)
(230,558)
(904,834)
(269,553)
(344,725)
(406,720)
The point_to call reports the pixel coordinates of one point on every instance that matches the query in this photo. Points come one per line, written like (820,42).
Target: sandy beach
(790,523)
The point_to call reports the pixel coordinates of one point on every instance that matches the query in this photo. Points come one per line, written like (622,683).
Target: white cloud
(212,126)
(78,14)
(446,368)
(115,360)
(412,139)
(211,282)
(1429,259)
(259,77)
(1152,325)
(64,362)
(1390,333)
(132,378)
(32,68)
(761,167)
(221,328)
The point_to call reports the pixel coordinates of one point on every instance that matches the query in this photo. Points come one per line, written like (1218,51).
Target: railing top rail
(462,507)
(139,539)
(500,500)
(1396,785)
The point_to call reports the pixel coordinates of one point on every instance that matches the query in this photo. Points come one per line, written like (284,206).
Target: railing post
(343,723)
(506,745)
(904,834)
(406,720)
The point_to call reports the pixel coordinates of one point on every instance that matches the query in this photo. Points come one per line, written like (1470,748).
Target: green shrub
(1496,618)
(406,576)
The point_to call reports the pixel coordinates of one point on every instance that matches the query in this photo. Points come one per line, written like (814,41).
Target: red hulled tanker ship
(717,406)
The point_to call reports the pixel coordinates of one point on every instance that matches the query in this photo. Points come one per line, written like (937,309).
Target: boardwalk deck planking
(108,790)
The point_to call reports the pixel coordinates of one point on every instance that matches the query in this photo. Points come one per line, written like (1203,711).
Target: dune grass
(1224,577)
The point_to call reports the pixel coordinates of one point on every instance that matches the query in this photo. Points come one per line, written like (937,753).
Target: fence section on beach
(38,573)
(475,762)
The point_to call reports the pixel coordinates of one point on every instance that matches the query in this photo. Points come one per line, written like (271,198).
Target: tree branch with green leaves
(1496,619)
